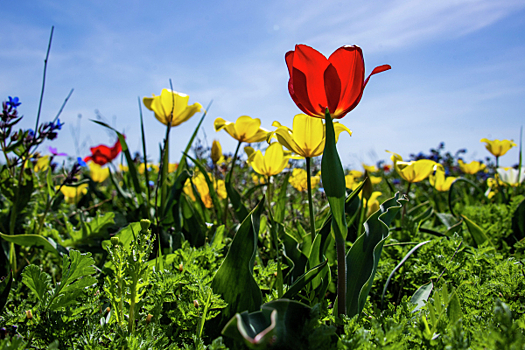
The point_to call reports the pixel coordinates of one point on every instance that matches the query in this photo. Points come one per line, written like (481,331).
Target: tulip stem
(310,201)
(234,158)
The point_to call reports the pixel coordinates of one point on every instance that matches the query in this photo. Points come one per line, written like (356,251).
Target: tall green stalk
(310,199)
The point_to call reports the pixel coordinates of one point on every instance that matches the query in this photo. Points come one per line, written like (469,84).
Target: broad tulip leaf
(401,263)
(278,325)
(193,226)
(476,232)
(363,257)
(235,198)
(333,177)
(29,240)
(297,260)
(234,279)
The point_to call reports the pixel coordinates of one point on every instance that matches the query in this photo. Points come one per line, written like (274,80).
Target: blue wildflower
(81,162)
(13,102)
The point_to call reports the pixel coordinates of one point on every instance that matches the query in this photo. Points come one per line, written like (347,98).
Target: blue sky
(458,73)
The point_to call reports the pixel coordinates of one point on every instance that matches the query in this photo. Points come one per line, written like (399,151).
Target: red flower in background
(336,83)
(103,154)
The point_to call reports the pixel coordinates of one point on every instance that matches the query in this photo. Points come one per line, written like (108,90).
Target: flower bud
(144,224)
(196,304)
(115,241)
(29,314)
(181,267)
(216,151)
(108,309)
(148,318)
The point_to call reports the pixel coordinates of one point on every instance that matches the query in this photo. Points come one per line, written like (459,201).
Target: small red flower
(336,83)
(103,154)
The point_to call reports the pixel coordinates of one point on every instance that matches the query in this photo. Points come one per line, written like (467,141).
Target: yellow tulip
(72,194)
(299,181)
(440,182)
(172,167)
(98,174)
(123,168)
(510,176)
(171,106)
(258,180)
(372,203)
(370,168)
(202,188)
(273,161)
(351,182)
(42,163)
(307,138)
(497,147)
(472,168)
(414,171)
(216,153)
(245,129)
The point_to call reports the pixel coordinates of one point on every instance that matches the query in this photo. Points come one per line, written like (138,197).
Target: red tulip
(103,154)
(336,83)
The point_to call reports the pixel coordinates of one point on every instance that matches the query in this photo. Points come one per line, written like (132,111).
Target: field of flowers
(273,245)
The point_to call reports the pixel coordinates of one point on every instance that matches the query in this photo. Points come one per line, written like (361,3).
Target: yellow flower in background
(375,179)
(199,181)
(42,163)
(510,176)
(171,102)
(356,173)
(245,129)
(216,153)
(271,163)
(123,168)
(372,203)
(439,181)
(299,181)
(142,167)
(258,180)
(72,194)
(98,173)
(497,147)
(414,171)
(471,168)
(307,138)
(370,168)
(351,182)
(172,167)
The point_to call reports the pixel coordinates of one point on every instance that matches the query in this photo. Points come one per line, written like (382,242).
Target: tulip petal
(339,128)
(309,87)
(332,86)
(350,66)
(308,133)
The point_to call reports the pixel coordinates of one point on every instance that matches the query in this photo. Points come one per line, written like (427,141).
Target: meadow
(273,245)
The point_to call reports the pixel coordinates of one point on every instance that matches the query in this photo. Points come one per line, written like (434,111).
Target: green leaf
(421,295)
(234,279)
(363,257)
(401,263)
(193,225)
(36,280)
(278,325)
(304,280)
(476,232)
(240,210)
(77,270)
(280,203)
(29,240)
(173,204)
(333,177)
